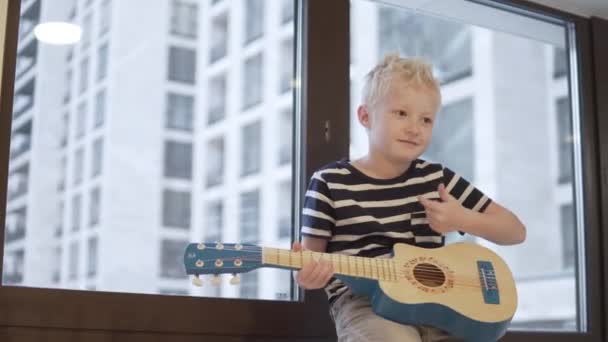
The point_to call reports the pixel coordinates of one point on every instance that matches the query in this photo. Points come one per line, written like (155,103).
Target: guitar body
(462,288)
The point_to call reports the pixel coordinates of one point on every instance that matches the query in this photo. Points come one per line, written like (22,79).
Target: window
(286,65)
(84,75)
(81,120)
(92,248)
(215,162)
(94,206)
(73,261)
(102,62)
(105,16)
(97,158)
(560,62)
(217,99)
(172,259)
(13,267)
(253,83)
(250,212)
(76,212)
(287,10)
(249,285)
(184,19)
(251,149)
(285,210)
(285,136)
(176,209)
(219,37)
(452,142)
(182,65)
(78,166)
(568,228)
(87,26)
(100,108)
(214,221)
(180,112)
(254,19)
(566,139)
(178,160)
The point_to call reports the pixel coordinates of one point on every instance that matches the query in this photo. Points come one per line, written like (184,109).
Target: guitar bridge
(487,279)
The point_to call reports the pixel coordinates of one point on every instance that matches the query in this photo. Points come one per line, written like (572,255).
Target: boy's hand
(314,274)
(443,216)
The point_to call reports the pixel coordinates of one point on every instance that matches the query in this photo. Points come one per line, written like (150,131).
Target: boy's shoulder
(420,167)
(337,166)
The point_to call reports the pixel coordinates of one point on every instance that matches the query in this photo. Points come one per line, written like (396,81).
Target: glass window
(217,99)
(105,16)
(251,149)
(176,209)
(214,221)
(87,25)
(182,65)
(218,37)
(287,10)
(102,62)
(254,19)
(92,248)
(76,212)
(250,214)
(285,227)
(74,258)
(81,120)
(172,258)
(94,206)
(249,285)
(528,168)
(184,18)
(100,108)
(13,267)
(286,65)
(97,157)
(215,162)
(78,166)
(560,62)
(285,136)
(84,75)
(178,160)
(253,83)
(180,112)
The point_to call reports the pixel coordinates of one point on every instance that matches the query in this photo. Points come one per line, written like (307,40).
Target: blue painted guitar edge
(442,316)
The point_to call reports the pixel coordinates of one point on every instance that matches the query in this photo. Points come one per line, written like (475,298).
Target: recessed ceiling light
(59,33)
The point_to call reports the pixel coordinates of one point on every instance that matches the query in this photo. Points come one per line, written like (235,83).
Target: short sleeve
(469,196)
(318,214)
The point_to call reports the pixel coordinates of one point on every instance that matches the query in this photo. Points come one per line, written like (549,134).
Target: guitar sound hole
(429,275)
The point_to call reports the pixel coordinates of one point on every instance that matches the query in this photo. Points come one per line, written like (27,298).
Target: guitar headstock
(219,258)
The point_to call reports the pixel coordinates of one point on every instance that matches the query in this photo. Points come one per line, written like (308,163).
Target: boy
(363,207)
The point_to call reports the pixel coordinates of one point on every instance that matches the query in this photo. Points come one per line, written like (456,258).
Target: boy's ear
(363,115)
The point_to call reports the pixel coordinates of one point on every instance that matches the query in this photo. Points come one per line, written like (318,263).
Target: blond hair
(413,71)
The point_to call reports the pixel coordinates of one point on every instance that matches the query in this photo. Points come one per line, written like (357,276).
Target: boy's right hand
(314,274)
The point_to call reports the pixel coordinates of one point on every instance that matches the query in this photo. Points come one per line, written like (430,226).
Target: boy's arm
(496,224)
(315,274)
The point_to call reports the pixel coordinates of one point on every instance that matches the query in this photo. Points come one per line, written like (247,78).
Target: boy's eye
(401,113)
(428,120)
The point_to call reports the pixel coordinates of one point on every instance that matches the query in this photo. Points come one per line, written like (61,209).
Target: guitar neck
(361,267)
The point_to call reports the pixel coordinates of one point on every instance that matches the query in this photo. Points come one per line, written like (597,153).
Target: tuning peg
(196,281)
(216,280)
(235,280)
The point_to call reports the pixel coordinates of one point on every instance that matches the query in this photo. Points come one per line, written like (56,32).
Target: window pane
(492,82)
(250,215)
(121,140)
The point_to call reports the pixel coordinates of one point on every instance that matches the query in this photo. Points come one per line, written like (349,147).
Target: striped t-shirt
(364,216)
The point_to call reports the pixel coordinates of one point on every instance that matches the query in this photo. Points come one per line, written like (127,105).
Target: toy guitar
(462,288)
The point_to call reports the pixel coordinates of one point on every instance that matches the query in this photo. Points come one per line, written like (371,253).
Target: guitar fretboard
(370,268)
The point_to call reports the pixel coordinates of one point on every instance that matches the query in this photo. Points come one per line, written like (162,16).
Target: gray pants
(356,322)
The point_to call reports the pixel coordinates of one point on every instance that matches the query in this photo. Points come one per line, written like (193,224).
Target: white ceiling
(585,8)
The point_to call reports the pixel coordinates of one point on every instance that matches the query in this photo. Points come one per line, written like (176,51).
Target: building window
(172,259)
(287,10)
(74,257)
(215,162)
(250,211)
(178,160)
(105,16)
(568,227)
(214,221)
(566,140)
(176,209)
(219,37)
(76,212)
(286,66)
(97,157)
(78,166)
(182,65)
(447,43)
(94,206)
(92,247)
(253,83)
(81,120)
(285,136)
(251,157)
(217,99)
(184,18)
(180,112)
(452,142)
(560,62)
(100,108)
(284,207)
(84,75)
(254,19)
(87,25)
(102,62)
(249,285)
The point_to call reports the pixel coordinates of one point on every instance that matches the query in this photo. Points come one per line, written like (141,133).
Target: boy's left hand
(444,216)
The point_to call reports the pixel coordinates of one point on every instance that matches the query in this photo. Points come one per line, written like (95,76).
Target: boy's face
(400,124)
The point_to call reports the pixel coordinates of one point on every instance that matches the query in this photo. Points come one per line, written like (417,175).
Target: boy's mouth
(413,143)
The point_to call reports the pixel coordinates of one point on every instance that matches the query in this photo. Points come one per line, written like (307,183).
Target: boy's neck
(379,167)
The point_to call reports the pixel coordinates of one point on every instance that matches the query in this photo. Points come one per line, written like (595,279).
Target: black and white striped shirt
(364,216)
